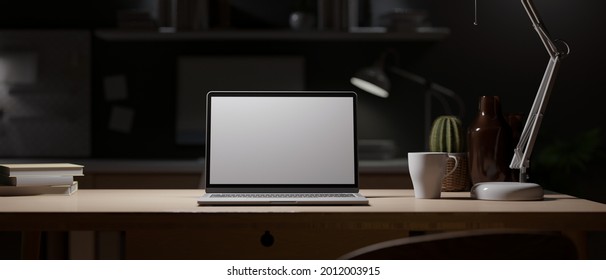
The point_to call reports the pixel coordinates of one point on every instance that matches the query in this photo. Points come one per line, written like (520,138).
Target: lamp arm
(528,137)
(537,23)
(448,92)
(408,75)
(435,90)
(431,86)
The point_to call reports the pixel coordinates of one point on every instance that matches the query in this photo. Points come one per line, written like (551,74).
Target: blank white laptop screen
(282,140)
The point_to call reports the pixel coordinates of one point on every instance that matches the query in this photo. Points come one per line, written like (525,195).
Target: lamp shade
(373,80)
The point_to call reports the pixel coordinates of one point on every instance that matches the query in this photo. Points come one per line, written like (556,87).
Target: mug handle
(454,168)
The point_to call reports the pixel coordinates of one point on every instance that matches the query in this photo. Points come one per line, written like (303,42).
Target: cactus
(446,135)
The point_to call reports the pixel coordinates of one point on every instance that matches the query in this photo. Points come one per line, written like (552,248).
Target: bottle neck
(490,106)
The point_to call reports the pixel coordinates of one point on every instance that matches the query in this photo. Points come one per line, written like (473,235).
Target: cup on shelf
(427,170)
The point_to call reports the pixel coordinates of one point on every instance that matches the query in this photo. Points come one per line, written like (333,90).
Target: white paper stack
(39,178)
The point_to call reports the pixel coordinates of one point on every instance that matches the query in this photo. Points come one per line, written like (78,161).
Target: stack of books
(39,178)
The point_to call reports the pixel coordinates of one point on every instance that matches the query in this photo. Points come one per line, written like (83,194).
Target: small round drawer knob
(267,239)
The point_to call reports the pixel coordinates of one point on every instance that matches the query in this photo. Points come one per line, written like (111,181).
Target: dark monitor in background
(198,75)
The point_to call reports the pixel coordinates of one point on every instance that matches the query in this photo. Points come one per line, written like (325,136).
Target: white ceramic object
(427,172)
(507,191)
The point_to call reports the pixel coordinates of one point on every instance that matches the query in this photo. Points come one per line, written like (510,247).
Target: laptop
(281,148)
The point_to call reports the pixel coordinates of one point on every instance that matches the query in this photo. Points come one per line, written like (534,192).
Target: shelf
(424,34)
(187,166)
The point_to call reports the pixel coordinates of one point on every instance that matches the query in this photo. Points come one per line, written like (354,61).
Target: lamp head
(373,80)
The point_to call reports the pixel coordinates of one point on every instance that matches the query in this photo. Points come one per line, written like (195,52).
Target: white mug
(427,172)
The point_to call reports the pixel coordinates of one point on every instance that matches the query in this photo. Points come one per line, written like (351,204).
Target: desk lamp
(524,190)
(374,80)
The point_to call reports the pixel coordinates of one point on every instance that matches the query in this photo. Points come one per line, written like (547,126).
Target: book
(68,189)
(36,180)
(46,169)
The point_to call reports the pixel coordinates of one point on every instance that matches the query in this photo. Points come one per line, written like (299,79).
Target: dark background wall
(501,56)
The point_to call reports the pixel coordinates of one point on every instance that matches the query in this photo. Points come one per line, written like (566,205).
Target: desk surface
(143,209)
(184,201)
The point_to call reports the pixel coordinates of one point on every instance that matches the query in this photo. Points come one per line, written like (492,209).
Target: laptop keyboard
(281,195)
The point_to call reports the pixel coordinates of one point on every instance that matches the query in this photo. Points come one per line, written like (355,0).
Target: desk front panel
(168,224)
(256,242)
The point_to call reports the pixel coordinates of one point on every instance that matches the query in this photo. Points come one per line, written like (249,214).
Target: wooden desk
(168,224)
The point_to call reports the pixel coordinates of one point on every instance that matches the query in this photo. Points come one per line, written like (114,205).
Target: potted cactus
(447,136)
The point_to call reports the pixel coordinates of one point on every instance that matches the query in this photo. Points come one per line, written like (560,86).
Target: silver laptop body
(281,148)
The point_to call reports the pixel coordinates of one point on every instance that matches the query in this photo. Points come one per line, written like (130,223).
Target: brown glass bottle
(490,146)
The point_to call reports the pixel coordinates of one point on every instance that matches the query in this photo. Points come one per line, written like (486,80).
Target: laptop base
(282,199)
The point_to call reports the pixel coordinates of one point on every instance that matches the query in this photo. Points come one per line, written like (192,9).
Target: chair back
(472,245)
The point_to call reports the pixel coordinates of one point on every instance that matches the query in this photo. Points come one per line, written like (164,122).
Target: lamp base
(507,191)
